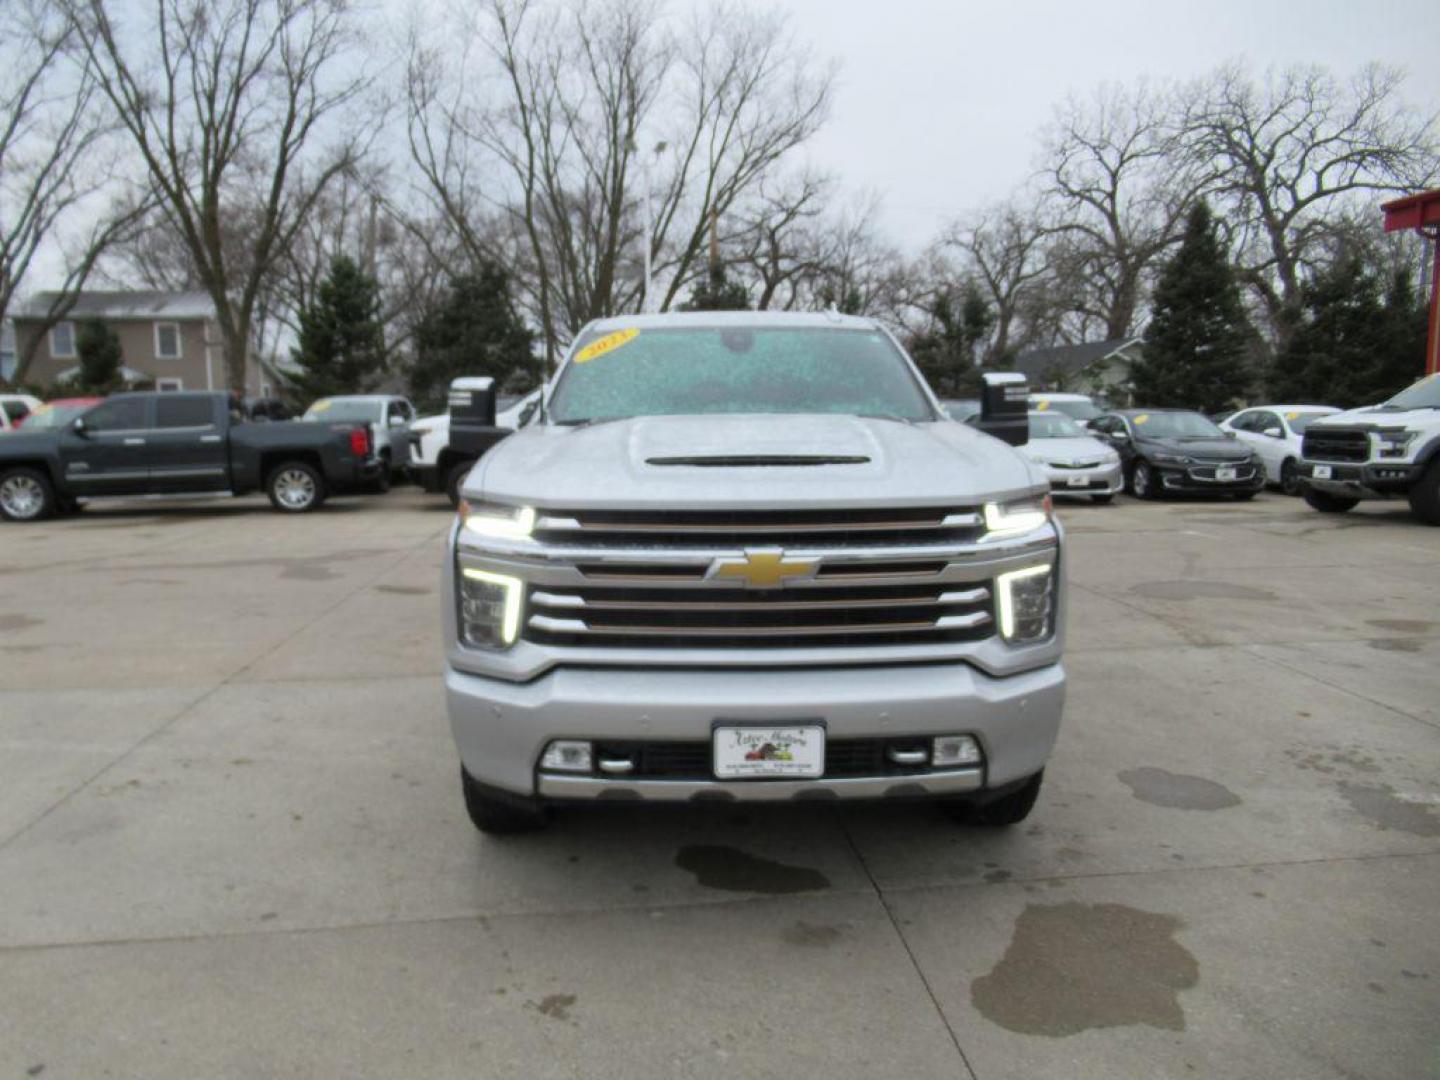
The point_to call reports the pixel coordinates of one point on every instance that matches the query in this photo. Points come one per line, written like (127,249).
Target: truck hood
(1373,415)
(757,461)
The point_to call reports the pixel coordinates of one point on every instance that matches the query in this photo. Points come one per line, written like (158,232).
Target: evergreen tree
(474,331)
(947,352)
(1401,357)
(1339,350)
(341,347)
(1196,343)
(716,292)
(98,349)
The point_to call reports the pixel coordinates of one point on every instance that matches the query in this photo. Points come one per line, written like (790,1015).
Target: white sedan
(1076,462)
(1275,432)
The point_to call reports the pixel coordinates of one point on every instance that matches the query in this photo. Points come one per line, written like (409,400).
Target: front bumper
(1201,479)
(1098,480)
(501,728)
(1361,481)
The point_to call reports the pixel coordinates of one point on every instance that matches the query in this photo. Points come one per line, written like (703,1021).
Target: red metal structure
(1422,213)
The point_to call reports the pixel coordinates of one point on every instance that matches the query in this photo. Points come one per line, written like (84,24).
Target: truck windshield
(1425,394)
(712,370)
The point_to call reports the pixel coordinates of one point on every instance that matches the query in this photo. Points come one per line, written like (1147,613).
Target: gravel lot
(232,843)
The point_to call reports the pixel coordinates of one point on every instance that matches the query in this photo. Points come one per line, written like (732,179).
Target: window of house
(184,410)
(167,341)
(62,340)
(170,384)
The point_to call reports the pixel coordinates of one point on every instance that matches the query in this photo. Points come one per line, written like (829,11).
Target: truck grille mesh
(689,760)
(1333,445)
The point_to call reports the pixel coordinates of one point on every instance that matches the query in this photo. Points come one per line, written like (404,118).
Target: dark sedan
(1176,451)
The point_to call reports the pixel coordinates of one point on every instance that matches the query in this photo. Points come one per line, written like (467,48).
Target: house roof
(125,304)
(1069,358)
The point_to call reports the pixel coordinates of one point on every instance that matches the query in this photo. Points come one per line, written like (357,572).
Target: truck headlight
(1012,519)
(490,608)
(1027,603)
(1394,442)
(495,519)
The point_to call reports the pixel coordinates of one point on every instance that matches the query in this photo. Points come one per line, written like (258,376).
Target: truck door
(187,446)
(109,455)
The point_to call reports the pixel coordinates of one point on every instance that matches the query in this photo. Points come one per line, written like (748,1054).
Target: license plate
(753,751)
(1321,472)
(1224,474)
(1077,481)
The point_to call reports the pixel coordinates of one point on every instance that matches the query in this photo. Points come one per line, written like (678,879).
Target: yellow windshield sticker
(321,405)
(1041,405)
(43,409)
(608,343)
(1292,416)
(1143,418)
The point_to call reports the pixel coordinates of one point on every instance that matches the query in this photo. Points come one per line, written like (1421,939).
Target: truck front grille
(679,529)
(815,614)
(1335,444)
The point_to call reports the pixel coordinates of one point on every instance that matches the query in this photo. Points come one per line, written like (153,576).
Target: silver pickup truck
(746,556)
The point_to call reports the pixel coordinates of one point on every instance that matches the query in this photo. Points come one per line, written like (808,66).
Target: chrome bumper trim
(921,785)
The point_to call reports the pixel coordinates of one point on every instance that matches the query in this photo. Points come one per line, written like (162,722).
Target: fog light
(567,755)
(954,750)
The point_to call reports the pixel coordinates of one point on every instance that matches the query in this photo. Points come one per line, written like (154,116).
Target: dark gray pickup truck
(180,444)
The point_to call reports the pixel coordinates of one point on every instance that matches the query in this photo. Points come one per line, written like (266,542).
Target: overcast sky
(938,102)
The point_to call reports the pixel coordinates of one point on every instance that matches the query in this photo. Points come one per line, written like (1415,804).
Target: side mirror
(78,425)
(397,421)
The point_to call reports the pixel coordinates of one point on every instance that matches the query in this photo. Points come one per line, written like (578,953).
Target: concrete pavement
(232,843)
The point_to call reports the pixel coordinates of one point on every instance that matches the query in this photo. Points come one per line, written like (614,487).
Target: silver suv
(746,557)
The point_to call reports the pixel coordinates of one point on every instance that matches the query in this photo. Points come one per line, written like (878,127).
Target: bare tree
(1291,151)
(55,164)
(550,144)
(225,107)
(1007,246)
(1119,188)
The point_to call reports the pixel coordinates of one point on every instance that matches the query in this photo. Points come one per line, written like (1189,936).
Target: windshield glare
(1300,421)
(737,369)
(1078,410)
(1425,394)
(1177,425)
(327,409)
(1051,425)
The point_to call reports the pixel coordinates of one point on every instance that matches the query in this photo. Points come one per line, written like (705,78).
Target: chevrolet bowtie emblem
(764,568)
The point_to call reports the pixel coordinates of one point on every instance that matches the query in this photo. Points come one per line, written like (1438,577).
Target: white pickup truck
(1382,452)
(435,467)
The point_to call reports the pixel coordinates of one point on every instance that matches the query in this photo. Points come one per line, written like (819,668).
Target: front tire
(1290,477)
(1329,504)
(383,478)
(295,487)
(1425,495)
(498,817)
(1142,481)
(26,495)
(455,480)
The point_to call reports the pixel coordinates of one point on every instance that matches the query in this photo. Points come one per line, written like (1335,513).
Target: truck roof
(825,320)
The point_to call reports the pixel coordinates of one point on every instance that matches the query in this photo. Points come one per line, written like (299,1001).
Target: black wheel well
(40,465)
(273,460)
(448,459)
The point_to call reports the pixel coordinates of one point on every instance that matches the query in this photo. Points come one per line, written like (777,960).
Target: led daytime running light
(1007,600)
(514,588)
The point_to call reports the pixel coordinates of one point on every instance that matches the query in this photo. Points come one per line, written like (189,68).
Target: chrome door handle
(209,438)
(134,442)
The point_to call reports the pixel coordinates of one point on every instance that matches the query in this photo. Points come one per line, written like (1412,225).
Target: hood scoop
(758,461)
